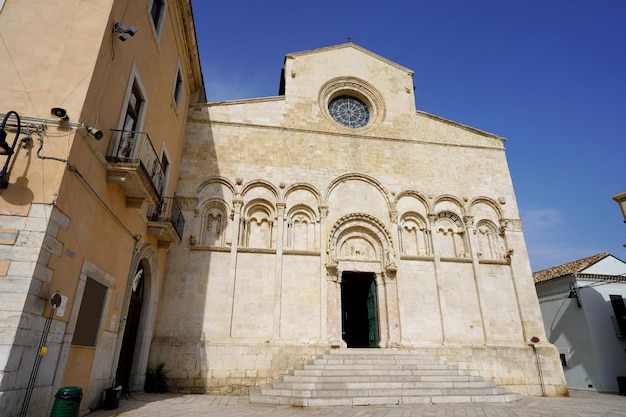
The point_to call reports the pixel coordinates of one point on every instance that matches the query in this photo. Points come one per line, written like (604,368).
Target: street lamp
(621,200)
(6,149)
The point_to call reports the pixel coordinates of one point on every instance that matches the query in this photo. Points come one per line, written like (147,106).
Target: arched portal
(136,327)
(362,295)
(133,317)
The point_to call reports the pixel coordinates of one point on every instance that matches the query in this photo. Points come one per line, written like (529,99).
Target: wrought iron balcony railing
(132,147)
(166,213)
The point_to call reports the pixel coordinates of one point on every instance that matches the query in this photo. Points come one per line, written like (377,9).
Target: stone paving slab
(579,404)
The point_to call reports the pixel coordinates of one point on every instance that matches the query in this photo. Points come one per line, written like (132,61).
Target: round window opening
(349,111)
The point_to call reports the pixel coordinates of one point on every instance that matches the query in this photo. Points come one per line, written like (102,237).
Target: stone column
(232,270)
(383,317)
(333,289)
(393,307)
(433,240)
(322,239)
(472,246)
(278,271)
(521,273)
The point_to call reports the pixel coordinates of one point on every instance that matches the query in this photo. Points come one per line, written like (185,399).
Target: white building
(585,318)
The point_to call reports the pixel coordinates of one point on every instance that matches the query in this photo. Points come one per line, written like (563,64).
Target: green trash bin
(67,402)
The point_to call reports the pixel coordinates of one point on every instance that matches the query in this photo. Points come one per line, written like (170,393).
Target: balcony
(166,222)
(133,164)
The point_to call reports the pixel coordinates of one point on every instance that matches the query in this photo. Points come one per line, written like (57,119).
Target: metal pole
(543,388)
(41,351)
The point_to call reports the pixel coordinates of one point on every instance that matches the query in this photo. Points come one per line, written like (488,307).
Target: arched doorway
(136,328)
(131,329)
(359,310)
(362,299)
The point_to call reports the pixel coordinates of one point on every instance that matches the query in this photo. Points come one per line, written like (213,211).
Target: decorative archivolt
(414,235)
(308,188)
(360,237)
(301,228)
(258,227)
(214,220)
(491,245)
(450,235)
(359,177)
(222,182)
(486,207)
(260,187)
(449,203)
(413,194)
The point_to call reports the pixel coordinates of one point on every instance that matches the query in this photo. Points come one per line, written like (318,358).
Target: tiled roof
(568,268)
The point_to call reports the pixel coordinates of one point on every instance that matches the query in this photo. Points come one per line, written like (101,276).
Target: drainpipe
(534,340)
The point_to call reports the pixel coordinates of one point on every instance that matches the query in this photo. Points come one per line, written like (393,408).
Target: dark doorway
(359,312)
(129,341)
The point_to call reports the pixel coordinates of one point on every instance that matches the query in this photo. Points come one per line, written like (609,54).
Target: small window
(563,359)
(157,12)
(165,166)
(133,109)
(617,302)
(89,314)
(178,88)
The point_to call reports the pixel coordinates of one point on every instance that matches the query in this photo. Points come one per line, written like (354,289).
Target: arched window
(258,230)
(450,236)
(300,228)
(214,223)
(413,236)
(490,243)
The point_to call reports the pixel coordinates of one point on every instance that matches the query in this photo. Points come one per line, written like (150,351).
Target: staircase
(378,377)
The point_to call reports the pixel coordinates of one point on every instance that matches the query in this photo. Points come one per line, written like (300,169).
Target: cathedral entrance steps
(378,377)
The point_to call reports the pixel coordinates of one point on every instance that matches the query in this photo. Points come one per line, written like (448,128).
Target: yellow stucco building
(93,101)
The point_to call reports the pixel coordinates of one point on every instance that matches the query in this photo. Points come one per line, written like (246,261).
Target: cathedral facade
(336,216)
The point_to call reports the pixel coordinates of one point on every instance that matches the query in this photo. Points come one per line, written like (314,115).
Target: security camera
(95,132)
(59,112)
(123,32)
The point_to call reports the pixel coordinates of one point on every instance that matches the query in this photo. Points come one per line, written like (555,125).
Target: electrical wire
(18,74)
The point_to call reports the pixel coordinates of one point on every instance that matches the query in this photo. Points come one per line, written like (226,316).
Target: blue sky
(549,76)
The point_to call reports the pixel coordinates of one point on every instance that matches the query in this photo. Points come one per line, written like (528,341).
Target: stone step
(381,400)
(378,361)
(416,376)
(381,377)
(382,385)
(381,392)
(374,352)
(377,376)
(365,366)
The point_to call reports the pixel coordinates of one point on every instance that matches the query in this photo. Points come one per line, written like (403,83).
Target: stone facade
(292,215)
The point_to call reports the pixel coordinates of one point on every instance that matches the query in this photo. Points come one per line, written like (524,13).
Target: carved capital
(390,273)
(323,211)
(332,274)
